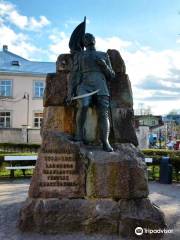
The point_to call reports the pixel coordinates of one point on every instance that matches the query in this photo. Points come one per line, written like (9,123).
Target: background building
(148,120)
(22,85)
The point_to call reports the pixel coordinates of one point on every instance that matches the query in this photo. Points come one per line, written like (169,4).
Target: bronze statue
(90,72)
(87,76)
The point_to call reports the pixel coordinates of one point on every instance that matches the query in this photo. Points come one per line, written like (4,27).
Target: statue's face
(89,40)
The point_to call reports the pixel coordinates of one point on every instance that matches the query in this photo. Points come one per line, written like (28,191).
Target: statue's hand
(100,61)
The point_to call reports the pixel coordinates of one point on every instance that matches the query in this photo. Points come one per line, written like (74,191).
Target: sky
(147,34)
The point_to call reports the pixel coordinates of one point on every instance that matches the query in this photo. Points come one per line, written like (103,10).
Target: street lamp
(26,96)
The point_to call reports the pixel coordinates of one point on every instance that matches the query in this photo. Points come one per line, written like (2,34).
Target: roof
(25,66)
(148,116)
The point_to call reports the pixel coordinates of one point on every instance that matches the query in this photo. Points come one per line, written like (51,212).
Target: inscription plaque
(58,175)
(59,170)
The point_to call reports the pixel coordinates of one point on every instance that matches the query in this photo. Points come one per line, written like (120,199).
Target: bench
(16,159)
(149,161)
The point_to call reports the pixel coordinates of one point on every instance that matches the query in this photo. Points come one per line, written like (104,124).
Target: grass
(154,174)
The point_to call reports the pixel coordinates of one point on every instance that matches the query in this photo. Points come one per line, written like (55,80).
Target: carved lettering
(47,171)
(59,169)
(58,178)
(59,166)
(48,184)
(60,157)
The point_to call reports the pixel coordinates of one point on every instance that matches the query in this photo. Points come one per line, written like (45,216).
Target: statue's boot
(80,121)
(105,128)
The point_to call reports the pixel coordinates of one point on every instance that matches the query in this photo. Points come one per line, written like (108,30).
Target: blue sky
(145,32)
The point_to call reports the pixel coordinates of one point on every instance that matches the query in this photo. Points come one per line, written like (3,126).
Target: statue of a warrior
(91,70)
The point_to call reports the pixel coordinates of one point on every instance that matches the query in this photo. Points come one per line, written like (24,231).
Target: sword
(85,95)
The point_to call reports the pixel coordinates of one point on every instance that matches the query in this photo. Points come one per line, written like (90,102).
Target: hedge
(19,147)
(157,155)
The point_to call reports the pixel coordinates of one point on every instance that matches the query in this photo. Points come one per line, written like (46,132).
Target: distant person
(152,140)
(171,143)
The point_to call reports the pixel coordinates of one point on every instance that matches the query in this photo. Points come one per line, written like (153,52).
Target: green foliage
(18,173)
(19,147)
(157,154)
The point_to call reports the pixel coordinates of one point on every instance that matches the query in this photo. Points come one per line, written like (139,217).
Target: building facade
(22,85)
(148,120)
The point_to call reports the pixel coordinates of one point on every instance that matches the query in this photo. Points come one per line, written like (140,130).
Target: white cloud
(157,64)
(5,7)
(102,44)
(18,43)
(59,44)
(9,13)
(141,64)
(18,40)
(35,24)
(178,40)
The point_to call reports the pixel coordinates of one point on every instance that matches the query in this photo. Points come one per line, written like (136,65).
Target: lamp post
(26,96)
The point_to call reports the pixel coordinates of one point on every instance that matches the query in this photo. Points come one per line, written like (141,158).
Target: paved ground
(13,193)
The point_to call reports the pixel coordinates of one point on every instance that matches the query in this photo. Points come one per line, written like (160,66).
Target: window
(38,88)
(15,63)
(38,119)
(5,88)
(5,119)
(141,122)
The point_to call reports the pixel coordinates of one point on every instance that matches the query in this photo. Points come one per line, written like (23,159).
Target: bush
(157,155)
(19,147)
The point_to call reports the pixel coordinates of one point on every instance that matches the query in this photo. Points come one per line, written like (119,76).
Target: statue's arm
(106,67)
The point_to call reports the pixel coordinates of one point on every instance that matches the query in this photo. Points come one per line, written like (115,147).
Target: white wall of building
(16,104)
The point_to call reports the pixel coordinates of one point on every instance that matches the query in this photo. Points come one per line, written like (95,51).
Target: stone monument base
(104,216)
(85,189)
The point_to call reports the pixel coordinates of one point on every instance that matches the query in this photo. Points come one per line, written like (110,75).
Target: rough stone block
(64,63)
(69,215)
(140,213)
(117,175)
(124,131)
(59,171)
(102,216)
(59,118)
(56,89)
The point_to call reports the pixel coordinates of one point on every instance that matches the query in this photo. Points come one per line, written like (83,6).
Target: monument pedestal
(104,216)
(82,188)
